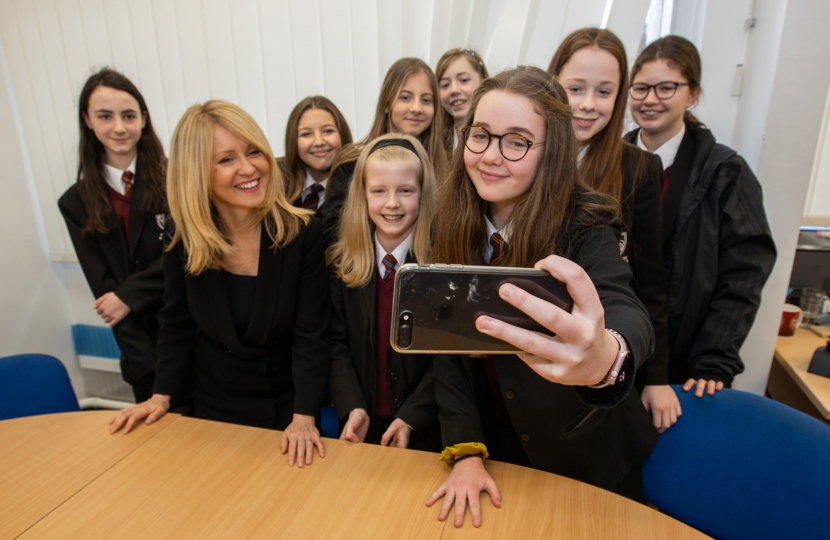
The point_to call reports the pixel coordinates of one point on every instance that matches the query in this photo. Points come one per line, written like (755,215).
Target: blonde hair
(189,192)
(353,256)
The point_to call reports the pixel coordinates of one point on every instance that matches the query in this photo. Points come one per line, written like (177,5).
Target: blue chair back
(740,466)
(32,384)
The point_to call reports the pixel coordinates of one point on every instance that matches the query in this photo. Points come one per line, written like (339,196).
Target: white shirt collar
(309,181)
(399,252)
(505,234)
(582,152)
(668,150)
(113,176)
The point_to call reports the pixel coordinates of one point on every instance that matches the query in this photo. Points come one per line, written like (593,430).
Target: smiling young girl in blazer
(116,214)
(406,105)
(385,397)
(592,67)
(315,133)
(514,198)
(717,245)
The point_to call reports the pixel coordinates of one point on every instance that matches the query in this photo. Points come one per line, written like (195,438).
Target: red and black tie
(127,177)
(312,200)
(391,264)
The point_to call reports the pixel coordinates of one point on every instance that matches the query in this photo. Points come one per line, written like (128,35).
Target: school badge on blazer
(161,219)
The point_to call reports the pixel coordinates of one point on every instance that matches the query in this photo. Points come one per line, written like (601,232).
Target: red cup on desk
(790,320)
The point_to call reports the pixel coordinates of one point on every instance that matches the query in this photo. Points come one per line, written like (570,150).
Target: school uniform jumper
(354,373)
(133,271)
(279,366)
(718,252)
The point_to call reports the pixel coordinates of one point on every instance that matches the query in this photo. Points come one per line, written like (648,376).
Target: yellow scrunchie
(451,452)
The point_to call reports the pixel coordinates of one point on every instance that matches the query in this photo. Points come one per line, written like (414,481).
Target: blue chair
(329,423)
(32,384)
(737,466)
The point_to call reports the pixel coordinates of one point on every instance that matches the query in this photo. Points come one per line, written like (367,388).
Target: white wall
(799,75)
(35,315)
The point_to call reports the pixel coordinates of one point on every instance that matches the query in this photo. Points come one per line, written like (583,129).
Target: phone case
(435,306)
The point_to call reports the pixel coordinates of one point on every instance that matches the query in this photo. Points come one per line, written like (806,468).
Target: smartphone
(435,306)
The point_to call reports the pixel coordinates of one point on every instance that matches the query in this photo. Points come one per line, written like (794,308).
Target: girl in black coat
(383,396)
(246,298)
(717,245)
(591,64)
(115,214)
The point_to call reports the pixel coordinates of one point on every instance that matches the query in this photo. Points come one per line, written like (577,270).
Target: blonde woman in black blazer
(246,299)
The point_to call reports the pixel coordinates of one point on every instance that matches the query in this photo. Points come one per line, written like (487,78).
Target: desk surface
(794,353)
(190,478)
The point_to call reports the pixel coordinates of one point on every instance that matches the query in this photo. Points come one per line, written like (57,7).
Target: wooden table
(64,476)
(789,381)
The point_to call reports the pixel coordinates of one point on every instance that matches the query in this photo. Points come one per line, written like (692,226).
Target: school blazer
(353,378)
(337,188)
(134,273)
(642,216)
(279,367)
(597,436)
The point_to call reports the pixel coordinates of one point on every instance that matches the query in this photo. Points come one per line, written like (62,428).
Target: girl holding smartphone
(564,405)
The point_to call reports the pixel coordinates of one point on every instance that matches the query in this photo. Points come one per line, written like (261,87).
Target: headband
(394,142)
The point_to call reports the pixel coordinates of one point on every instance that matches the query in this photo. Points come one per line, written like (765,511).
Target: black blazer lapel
(136,217)
(269,274)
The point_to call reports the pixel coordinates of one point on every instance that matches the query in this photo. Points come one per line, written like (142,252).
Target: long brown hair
(681,54)
(150,164)
(433,138)
(601,166)
(293,166)
(191,197)
(555,206)
(353,256)
(444,62)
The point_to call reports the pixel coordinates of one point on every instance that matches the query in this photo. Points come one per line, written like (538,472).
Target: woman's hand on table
(702,385)
(465,482)
(299,439)
(356,426)
(111,308)
(152,409)
(582,352)
(397,433)
(662,403)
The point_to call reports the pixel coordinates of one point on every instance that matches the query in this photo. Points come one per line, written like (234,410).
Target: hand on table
(152,409)
(299,439)
(466,481)
(703,385)
(397,433)
(356,426)
(582,352)
(662,403)
(111,308)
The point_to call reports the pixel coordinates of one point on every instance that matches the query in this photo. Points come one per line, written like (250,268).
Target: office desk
(789,381)
(191,478)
